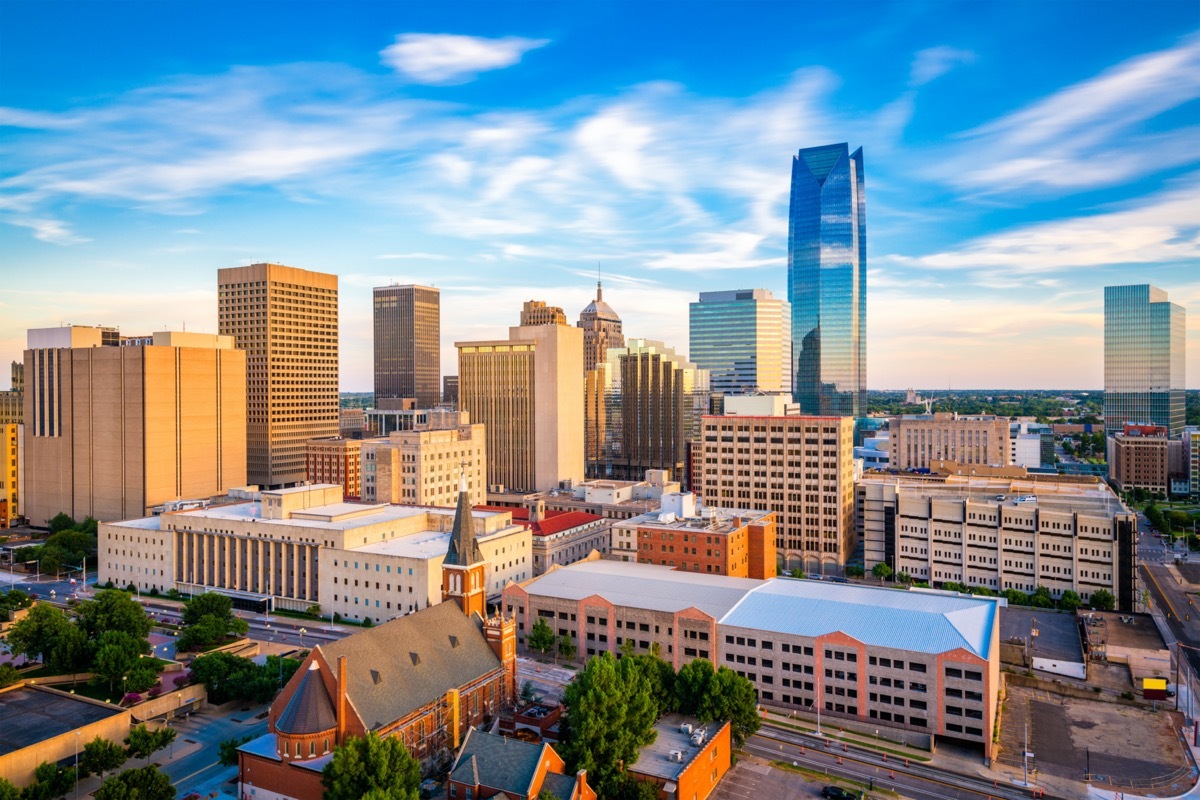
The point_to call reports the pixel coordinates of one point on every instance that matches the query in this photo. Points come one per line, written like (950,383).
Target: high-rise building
(450,390)
(744,339)
(527,392)
(920,440)
(408,343)
(12,402)
(536,312)
(112,432)
(601,330)
(1144,350)
(651,399)
(286,319)
(424,466)
(827,281)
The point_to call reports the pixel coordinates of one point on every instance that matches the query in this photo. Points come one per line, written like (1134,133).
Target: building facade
(116,430)
(601,330)
(536,312)
(423,466)
(407,336)
(1144,457)
(1145,339)
(527,392)
(450,390)
(604,498)
(802,467)
(744,339)
(286,320)
(337,461)
(919,440)
(827,281)
(12,403)
(10,507)
(1002,533)
(560,537)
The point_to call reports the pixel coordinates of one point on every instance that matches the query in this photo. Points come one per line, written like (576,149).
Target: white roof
(924,622)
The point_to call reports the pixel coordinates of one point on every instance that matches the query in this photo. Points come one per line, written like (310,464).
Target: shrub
(156,690)
(131,699)
(181,680)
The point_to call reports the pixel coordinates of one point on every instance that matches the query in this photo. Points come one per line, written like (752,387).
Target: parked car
(838,793)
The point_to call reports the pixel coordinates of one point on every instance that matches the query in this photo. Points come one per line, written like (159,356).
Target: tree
(1016,597)
(142,783)
(1069,601)
(691,684)
(229,749)
(854,571)
(566,647)
(541,637)
(62,521)
(113,610)
(903,577)
(100,756)
(364,765)
(8,791)
(49,781)
(1103,600)
(527,692)
(143,742)
(8,675)
(796,573)
(881,571)
(208,618)
(731,697)
(71,652)
(660,677)
(37,635)
(117,654)
(141,678)
(1041,598)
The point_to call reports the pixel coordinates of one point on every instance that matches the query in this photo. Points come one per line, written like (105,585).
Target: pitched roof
(311,708)
(464,549)
(401,665)
(497,762)
(924,622)
(552,521)
(560,785)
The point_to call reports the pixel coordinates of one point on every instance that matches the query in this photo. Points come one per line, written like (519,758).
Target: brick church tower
(464,571)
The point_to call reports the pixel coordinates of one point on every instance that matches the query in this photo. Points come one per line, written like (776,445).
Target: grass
(862,740)
(824,777)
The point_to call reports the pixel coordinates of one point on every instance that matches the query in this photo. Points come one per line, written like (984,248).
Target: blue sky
(1019,156)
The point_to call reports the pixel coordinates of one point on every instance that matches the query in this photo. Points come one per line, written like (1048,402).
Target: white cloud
(443,58)
(52,231)
(413,256)
(933,62)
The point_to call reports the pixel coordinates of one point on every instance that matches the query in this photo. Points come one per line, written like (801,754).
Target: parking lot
(752,779)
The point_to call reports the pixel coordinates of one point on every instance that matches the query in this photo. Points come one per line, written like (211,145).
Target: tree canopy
(142,783)
(371,766)
(208,619)
(100,756)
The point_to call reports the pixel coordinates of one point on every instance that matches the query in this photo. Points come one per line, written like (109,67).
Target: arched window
(312,748)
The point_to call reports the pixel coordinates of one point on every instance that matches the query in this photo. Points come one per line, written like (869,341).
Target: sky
(1019,156)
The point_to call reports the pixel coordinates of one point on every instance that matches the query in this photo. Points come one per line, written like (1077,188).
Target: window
(952,672)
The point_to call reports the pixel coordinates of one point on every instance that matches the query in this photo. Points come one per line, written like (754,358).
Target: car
(838,793)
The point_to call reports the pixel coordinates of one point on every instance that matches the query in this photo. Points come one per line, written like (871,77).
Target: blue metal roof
(905,620)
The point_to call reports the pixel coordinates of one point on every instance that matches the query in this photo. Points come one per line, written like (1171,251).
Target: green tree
(731,697)
(117,654)
(8,675)
(691,684)
(49,781)
(8,791)
(882,571)
(141,678)
(366,765)
(661,679)
(71,652)
(62,521)
(13,600)
(541,637)
(143,742)
(1069,601)
(903,577)
(37,635)
(855,571)
(1016,597)
(566,647)
(527,692)
(1103,600)
(208,618)
(796,573)
(100,756)
(1041,598)
(113,610)
(142,783)
(228,749)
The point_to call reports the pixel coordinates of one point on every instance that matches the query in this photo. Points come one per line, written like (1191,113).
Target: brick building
(559,537)
(686,758)
(335,460)
(490,765)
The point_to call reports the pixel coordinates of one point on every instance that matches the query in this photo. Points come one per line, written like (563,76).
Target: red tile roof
(552,521)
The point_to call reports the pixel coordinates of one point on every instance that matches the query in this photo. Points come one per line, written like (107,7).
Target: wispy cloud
(412,256)
(443,58)
(52,231)
(934,62)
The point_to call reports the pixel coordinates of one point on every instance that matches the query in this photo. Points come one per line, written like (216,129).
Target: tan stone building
(335,460)
(527,392)
(1001,533)
(292,548)
(536,312)
(115,430)
(601,330)
(560,537)
(799,466)
(423,466)
(12,404)
(286,319)
(921,439)
(604,498)
(1143,457)
(10,508)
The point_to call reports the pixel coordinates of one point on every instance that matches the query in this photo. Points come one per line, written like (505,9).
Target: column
(260,581)
(310,566)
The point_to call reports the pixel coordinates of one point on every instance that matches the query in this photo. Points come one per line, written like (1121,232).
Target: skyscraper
(601,330)
(1144,340)
(408,361)
(536,312)
(286,319)
(827,281)
(744,339)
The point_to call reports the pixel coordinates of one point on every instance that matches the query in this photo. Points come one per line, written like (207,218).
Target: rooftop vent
(453,641)
(416,659)
(376,678)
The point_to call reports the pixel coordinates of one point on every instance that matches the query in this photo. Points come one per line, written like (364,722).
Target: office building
(408,343)
(10,442)
(717,541)
(801,467)
(604,498)
(536,312)
(827,281)
(450,390)
(926,662)
(652,400)
(1000,533)
(428,679)
(527,392)
(1144,352)
(917,441)
(336,460)
(286,320)
(12,403)
(601,330)
(744,339)
(1144,457)
(422,467)
(114,431)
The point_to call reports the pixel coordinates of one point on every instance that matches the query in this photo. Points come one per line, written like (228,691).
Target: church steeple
(464,550)
(464,570)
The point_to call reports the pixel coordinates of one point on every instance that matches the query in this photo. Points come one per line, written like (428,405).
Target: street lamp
(302,631)
(77,765)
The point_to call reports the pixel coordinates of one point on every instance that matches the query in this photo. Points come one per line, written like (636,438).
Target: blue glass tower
(1145,337)
(827,281)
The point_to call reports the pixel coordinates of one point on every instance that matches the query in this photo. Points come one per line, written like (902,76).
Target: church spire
(464,549)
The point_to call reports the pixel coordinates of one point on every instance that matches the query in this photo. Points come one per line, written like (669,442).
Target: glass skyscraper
(744,339)
(827,281)
(1144,339)
(408,354)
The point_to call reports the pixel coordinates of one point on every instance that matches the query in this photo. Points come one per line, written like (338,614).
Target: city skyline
(1014,173)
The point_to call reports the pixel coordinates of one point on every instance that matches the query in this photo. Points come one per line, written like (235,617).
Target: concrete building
(1145,341)
(286,320)
(337,461)
(407,337)
(114,431)
(601,330)
(352,423)
(536,312)
(1001,533)
(801,467)
(744,339)
(292,548)
(604,498)
(1144,457)
(12,403)
(427,679)
(559,537)
(918,440)
(717,541)
(1027,450)
(687,758)
(10,507)
(422,466)
(652,400)
(491,765)
(527,392)
(924,661)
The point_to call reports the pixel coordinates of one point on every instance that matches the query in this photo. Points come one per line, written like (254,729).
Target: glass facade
(827,281)
(744,339)
(408,344)
(1144,340)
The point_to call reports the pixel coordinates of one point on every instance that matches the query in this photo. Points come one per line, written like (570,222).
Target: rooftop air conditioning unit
(677,755)
(697,738)
(686,728)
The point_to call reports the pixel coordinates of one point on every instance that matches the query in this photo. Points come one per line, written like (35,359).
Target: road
(196,771)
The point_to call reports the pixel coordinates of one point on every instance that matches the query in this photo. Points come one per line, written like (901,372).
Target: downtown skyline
(1013,174)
